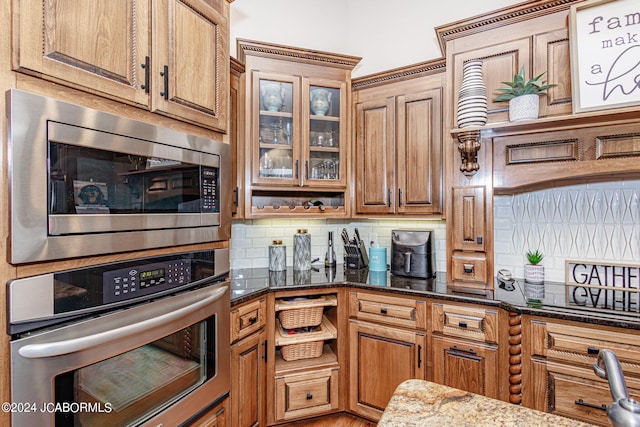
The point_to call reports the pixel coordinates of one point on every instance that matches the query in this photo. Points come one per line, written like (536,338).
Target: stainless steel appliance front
(85,182)
(151,363)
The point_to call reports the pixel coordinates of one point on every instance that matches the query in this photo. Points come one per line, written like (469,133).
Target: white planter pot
(525,107)
(534,273)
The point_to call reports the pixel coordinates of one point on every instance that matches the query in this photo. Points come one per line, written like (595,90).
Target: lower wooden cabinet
(381,357)
(248,381)
(306,394)
(218,416)
(466,365)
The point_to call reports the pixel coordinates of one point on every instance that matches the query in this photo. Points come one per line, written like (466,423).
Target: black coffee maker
(412,253)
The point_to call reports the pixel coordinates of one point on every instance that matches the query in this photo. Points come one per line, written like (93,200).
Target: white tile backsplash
(251,238)
(591,222)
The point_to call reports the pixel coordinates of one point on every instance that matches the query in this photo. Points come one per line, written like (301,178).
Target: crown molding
(499,18)
(290,53)
(398,74)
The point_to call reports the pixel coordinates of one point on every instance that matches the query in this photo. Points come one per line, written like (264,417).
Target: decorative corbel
(469,145)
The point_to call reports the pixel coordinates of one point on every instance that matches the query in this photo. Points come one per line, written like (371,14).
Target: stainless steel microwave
(85,182)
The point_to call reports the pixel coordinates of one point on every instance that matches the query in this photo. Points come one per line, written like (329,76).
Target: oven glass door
(130,387)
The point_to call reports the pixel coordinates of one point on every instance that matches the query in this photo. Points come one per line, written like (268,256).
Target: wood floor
(336,420)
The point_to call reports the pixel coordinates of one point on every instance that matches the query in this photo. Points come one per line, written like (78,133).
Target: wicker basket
(305,350)
(301,317)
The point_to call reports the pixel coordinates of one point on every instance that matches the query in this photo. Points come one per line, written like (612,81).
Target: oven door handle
(58,348)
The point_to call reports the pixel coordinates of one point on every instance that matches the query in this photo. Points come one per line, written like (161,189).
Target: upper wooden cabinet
(297,132)
(398,147)
(169,56)
(506,47)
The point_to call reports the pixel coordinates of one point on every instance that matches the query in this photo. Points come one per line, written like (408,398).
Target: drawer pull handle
(593,350)
(591,405)
(253,319)
(383,310)
(462,324)
(309,396)
(467,268)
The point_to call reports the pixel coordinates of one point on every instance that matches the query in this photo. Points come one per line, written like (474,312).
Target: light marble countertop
(423,403)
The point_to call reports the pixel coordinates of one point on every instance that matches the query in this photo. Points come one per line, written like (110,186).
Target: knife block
(353,261)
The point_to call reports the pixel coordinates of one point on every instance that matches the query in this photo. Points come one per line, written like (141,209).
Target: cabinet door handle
(165,75)
(296,169)
(399,197)
(383,311)
(419,355)
(145,66)
(389,195)
(593,350)
(309,396)
(264,352)
(237,197)
(306,169)
(591,405)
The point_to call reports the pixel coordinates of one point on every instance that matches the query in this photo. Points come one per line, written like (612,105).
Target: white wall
(386,34)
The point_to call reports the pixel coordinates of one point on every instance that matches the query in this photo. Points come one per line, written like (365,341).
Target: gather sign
(605,54)
(612,287)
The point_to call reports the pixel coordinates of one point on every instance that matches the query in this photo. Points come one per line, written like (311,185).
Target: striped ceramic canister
(302,250)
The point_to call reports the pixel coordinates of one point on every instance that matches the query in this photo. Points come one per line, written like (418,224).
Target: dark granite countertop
(554,299)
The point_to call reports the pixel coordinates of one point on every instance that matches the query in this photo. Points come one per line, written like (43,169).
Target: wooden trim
(399,74)
(498,18)
(290,53)
(236,66)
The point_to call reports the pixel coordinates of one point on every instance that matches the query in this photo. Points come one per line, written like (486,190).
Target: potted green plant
(523,96)
(533,271)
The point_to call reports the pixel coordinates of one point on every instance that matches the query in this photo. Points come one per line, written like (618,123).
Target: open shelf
(326,331)
(327,359)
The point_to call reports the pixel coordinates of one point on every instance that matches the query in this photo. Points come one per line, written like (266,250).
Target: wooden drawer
(578,393)
(469,267)
(393,310)
(466,321)
(571,342)
(308,394)
(247,318)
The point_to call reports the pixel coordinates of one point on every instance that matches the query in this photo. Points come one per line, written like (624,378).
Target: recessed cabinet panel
(468,219)
(375,156)
(190,63)
(97,45)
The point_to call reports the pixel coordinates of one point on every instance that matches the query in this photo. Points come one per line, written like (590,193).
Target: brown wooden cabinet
(236,137)
(465,348)
(558,372)
(297,132)
(145,54)
(468,227)
(466,365)
(394,355)
(398,147)
(248,364)
(217,416)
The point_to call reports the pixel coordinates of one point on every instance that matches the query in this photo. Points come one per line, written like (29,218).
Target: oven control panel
(128,283)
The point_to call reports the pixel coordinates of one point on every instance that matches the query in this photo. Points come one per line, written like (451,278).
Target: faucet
(625,411)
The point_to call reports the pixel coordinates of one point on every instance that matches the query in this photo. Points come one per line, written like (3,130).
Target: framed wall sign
(605,54)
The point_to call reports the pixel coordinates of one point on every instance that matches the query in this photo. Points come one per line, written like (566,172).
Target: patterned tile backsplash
(250,239)
(591,222)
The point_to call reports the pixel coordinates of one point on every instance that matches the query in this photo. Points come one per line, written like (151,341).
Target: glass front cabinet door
(298,130)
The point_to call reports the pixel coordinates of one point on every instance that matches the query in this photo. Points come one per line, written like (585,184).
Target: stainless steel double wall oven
(141,341)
